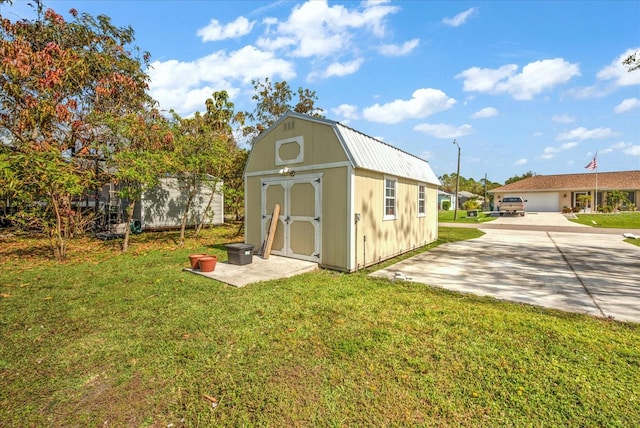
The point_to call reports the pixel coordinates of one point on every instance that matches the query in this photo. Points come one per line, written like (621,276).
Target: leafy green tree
(632,61)
(234,183)
(519,177)
(466,184)
(272,101)
(616,198)
(583,200)
(204,147)
(58,82)
(142,153)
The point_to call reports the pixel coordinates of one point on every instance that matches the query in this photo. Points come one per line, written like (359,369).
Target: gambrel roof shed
(348,199)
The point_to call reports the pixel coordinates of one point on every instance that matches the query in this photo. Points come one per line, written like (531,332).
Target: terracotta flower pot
(193,259)
(208,263)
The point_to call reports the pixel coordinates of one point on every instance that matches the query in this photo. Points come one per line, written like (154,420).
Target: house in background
(444,196)
(346,199)
(552,193)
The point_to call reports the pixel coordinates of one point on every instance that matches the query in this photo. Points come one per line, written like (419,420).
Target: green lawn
(130,340)
(622,220)
(463,217)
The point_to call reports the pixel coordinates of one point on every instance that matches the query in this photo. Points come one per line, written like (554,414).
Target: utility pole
(486,202)
(455,213)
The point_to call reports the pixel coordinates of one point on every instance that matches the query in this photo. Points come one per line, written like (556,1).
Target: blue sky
(522,86)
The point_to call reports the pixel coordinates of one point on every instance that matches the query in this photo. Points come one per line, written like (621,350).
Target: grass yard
(621,220)
(463,217)
(130,340)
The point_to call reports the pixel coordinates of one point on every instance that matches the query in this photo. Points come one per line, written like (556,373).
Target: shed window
(389,199)
(421,201)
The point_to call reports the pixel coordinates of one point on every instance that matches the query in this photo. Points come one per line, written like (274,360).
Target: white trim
(299,140)
(393,216)
(424,195)
(352,243)
(301,168)
(316,181)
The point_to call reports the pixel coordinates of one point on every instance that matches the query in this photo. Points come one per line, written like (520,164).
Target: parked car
(511,205)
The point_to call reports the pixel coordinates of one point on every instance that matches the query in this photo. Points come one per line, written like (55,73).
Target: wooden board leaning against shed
(268,241)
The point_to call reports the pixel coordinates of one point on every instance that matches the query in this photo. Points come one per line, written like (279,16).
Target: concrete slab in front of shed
(258,270)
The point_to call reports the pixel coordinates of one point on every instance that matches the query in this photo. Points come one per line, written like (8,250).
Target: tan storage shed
(347,200)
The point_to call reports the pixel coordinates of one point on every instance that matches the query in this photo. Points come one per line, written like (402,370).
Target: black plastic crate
(239,254)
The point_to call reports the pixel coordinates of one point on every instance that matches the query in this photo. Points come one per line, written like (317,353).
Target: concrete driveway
(595,274)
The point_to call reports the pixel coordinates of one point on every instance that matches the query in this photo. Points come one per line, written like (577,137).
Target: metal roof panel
(372,154)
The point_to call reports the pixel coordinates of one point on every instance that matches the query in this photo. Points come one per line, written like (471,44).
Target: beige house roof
(620,180)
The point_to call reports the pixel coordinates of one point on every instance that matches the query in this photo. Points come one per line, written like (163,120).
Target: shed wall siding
(335,218)
(320,145)
(387,238)
(252,214)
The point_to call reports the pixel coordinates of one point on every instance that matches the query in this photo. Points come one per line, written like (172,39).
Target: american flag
(593,164)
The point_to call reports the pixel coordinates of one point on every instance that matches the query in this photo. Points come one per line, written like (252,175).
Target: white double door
(298,231)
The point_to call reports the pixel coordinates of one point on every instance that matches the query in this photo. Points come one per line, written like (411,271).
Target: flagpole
(591,166)
(596,195)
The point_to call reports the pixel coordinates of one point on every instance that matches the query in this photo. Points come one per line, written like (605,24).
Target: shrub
(446,205)
(471,204)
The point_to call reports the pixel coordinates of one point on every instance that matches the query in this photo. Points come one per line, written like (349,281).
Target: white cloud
(612,148)
(485,113)
(338,69)
(399,50)
(443,130)
(535,78)
(633,150)
(563,118)
(587,92)
(582,134)
(426,155)
(627,105)
(335,38)
(316,29)
(460,18)
(215,31)
(520,162)
(346,111)
(550,152)
(176,84)
(485,79)
(423,103)
(617,72)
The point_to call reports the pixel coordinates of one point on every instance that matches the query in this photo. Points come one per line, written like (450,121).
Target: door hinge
(317,255)
(317,219)
(317,180)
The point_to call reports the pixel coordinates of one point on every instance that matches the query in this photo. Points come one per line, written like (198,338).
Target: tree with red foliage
(61,83)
